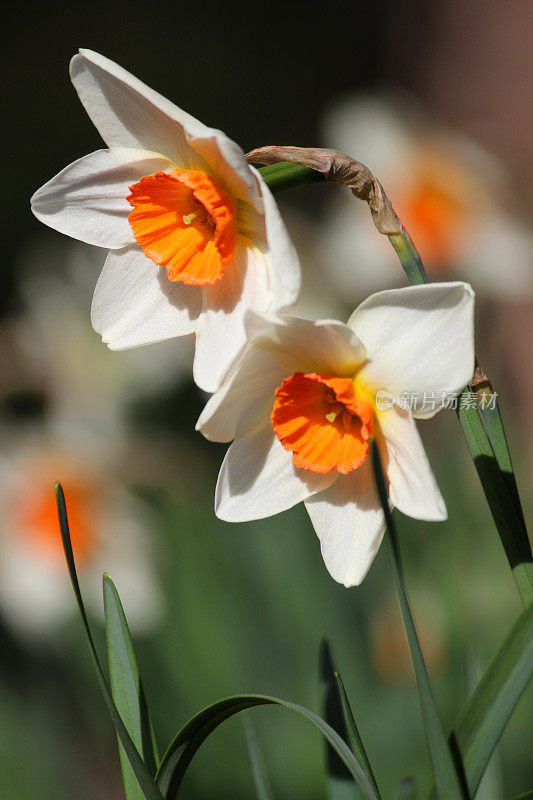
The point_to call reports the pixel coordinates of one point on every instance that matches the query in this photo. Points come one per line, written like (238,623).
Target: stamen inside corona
(184,220)
(326,422)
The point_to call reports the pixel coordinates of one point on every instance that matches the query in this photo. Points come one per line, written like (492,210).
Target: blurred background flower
(110,532)
(245,607)
(60,358)
(453,197)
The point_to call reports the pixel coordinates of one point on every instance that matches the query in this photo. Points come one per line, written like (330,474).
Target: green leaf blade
(354,739)
(339,781)
(146,781)
(127,690)
(189,739)
(489,708)
(338,714)
(504,505)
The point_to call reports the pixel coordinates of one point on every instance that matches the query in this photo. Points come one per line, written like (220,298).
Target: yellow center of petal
(326,422)
(184,220)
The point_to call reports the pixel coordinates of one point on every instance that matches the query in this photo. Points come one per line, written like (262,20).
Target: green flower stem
(409,258)
(487,442)
(447,774)
(483,428)
(287,175)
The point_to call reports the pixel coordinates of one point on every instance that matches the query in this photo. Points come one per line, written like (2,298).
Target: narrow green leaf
(497,483)
(354,739)
(525,796)
(261,783)
(127,690)
(491,783)
(487,711)
(523,568)
(186,743)
(407,789)
(339,781)
(147,783)
(447,779)
(338,714)
(492,420)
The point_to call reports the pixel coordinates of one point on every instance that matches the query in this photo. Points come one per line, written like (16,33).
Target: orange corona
(184,220)
(326,422)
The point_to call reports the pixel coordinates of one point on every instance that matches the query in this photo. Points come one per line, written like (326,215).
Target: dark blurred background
(219,609)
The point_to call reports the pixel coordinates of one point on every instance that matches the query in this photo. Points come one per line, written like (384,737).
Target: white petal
(134,303)
(244,399)
(221,335)
(258,479)
(284,266)
(419,340)
(324,346)
(228,163)
(349,522)
(412,485)
(87,200)
(127,113)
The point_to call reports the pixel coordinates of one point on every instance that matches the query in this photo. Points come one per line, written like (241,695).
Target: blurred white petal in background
(110,532)
(83,383)
(452,196)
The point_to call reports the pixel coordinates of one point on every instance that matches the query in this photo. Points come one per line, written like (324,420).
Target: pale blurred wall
(472,65)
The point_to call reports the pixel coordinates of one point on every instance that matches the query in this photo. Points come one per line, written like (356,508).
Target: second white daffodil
(195,235)
(305,399)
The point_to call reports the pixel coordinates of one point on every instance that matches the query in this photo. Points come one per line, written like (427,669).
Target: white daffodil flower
(108,526)
(195,235)
(449,192)
(304,400)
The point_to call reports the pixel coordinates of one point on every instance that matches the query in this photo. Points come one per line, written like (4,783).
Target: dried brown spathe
(338,168)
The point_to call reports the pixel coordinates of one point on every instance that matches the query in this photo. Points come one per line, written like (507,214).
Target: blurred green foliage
(247,607)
